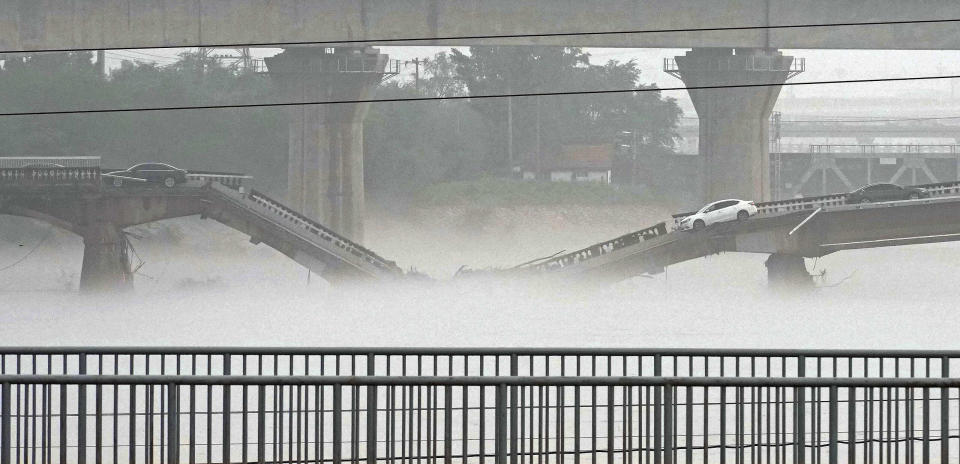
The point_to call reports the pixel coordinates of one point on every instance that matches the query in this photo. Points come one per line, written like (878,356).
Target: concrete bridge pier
(106,263)
(788,271)
(734,127)
(325,162)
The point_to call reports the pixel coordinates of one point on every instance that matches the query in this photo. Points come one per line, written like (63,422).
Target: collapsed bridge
(788,230)
(72,194)
(76,195)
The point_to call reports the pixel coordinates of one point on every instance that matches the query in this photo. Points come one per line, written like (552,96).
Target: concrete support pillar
(734,122)
(325,163)
(106,264)
(788,271)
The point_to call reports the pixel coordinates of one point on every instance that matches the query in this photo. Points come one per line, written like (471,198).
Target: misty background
(442,195)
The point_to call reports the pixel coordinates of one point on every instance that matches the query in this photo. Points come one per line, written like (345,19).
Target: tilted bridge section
(788,230)
(77,198)
(77,195)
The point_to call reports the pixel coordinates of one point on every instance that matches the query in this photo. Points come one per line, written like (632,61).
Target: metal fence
(386,361)
(497,420)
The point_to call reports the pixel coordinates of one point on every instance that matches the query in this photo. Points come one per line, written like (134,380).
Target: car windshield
(706,208)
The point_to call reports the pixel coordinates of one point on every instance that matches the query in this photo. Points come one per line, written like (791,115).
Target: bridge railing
(603,248)
(608,362)
(826,201)
(234,181)
(301,222)
(39,172)
(223,419)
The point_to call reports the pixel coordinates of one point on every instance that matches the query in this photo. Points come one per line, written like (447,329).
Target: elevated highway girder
(63,24)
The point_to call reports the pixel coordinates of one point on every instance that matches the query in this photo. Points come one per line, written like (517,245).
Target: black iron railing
(497,420)
(386,361)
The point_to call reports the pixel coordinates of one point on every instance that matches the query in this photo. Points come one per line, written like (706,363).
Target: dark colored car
(885,192)
(159,173)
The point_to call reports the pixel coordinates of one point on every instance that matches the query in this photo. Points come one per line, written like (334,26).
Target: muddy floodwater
(228,292)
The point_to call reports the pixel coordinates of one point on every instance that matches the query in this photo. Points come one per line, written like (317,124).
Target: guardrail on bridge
(40,172)
(301,222)
(603,248)
(826,201)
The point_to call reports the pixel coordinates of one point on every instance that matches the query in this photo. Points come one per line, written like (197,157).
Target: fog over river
(228,292)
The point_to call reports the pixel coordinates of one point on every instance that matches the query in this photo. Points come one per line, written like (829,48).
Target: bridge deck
(303,240)
(808,227)
(67,196)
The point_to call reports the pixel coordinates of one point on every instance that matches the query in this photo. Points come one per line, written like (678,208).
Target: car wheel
(865,200)
(743,215)
(914,196)
(699,224)
(170,182)
(117,182)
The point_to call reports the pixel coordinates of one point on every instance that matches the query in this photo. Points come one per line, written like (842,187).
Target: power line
(474,97)
(931,118)
(504,36)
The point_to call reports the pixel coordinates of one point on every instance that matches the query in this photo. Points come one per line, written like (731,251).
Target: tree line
(408,145)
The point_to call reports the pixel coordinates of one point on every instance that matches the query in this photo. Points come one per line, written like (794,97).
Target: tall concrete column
(325,164)
(106,264)
(734,128)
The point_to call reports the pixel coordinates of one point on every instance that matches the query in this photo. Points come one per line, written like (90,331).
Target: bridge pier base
(734,127)
(788,271)
(325,162)
(106,263)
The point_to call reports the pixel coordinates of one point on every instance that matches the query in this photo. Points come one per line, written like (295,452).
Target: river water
(231,293)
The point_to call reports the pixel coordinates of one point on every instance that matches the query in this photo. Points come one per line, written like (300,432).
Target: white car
(719,211)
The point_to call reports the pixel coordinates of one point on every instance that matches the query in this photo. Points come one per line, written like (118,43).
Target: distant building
(572,163)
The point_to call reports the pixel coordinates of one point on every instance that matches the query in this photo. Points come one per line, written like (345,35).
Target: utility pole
(202,61)
(539,153)
(416,70)
(510,156)
(776,122)
(102,63)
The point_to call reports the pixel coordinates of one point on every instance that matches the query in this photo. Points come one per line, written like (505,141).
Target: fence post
(173,424)
(833,425)
(337,423)
(800,412)
(944,412)
(500,419)
(226,411)
(668,424)
(852,424)
(514,415)
(372,412)
(261,425)
(82,414)
(657,411)
(5,423)
(447,424)
(372,424)
(926,425)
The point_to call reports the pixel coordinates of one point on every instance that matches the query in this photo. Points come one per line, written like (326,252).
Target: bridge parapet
(297,221)
(603,248)
(773,208)
(31,172)
(234,181)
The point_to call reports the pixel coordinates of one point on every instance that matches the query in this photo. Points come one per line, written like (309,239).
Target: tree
(548,123)
(249,140)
